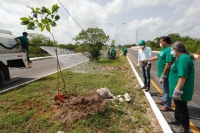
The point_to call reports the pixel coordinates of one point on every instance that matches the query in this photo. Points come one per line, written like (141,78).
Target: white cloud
(180,8)
(90,13)
(144,3)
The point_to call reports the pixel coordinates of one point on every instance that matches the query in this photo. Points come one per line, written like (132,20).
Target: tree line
(93,40)
(191,44)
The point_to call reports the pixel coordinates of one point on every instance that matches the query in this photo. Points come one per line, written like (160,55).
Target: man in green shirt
(181,86)
(23,40)
(165,61)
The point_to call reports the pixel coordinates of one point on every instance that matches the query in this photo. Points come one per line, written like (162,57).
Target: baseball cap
(141,42)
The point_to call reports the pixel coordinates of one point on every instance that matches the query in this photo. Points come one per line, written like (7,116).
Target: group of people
(176,76)
(111,53)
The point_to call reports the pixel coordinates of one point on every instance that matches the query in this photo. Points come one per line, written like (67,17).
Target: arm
(152,58)
(30,44)
(17,40)
(167,67)
(150,55)
(180,83)
(138,58)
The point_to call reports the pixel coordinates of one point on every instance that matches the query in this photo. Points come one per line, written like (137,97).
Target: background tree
(94,38)
(38,40)
(112,43)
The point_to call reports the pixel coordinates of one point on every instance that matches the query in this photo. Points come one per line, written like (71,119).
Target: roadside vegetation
(192,44)
(32,108)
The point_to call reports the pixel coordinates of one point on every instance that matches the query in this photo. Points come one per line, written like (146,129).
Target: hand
(143,61)
(162,79)
(177,94)
(148,66)
(138,67)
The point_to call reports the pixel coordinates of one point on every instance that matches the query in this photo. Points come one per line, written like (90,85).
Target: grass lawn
(29,108)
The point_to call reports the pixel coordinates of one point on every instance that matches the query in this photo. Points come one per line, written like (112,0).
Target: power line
(70,14)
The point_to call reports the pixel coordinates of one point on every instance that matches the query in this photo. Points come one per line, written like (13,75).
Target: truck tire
(2,78)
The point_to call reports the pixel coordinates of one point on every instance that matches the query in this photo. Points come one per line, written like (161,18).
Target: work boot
(183,130)
(165,109)
(159,102)
(143,87)
(147,89)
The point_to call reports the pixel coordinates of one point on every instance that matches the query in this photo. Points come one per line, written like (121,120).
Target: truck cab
(11,55)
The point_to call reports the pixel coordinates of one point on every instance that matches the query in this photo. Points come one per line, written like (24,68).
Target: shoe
(183,130)
(143,87)
(165,109)
(147,89)
(174,122)
(159,102)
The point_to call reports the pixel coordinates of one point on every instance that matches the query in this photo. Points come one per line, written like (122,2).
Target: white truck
(11,55)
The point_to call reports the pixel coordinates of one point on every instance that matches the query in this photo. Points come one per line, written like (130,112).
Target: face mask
(141,47)
(161,45)
(173,53)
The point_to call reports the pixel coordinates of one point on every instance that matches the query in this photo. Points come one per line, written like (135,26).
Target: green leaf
(24,22)
(44,21)
(40,25)
(48,11)
(52,16)
(53,24)
(37,9)
(57,17)
(48,28)
(25,19)
(55,8)
(42,28)
(31,8)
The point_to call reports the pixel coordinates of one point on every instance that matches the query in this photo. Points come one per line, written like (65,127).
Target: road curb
(161,120)
(40,58)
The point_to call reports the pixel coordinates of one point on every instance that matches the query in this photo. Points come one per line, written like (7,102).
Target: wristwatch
(148,62)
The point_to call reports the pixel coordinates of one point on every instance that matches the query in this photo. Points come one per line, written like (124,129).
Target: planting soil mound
(76,107)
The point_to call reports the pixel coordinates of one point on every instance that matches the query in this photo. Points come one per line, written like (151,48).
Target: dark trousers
(181,113)
(146,75)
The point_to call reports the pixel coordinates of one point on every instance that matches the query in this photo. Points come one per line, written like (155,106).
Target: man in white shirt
(145,53)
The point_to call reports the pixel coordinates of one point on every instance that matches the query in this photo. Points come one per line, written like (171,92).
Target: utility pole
(116,32)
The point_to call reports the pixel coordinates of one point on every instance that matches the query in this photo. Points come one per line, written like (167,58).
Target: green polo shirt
(24,41)
(164,57)
(182,67)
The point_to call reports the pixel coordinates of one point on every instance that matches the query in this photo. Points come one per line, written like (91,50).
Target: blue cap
(141,42)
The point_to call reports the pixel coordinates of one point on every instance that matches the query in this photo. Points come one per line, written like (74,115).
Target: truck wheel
(2,78)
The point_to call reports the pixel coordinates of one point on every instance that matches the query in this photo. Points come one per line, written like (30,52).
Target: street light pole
(116,32)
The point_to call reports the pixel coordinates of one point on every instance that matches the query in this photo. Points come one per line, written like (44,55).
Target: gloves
(143,61)
(162,79)
(177,94)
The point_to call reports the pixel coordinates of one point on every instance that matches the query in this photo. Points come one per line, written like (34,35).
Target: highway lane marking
(193,128)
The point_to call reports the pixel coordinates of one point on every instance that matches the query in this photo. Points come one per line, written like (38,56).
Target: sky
(130,20)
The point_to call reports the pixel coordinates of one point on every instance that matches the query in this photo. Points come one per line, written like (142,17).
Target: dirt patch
(77,107)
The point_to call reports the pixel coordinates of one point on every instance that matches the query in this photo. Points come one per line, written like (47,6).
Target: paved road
(40,68)
(194,105)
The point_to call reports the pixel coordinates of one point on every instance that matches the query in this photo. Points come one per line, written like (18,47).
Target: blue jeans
(166,100)
(27,52)
(146,75)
